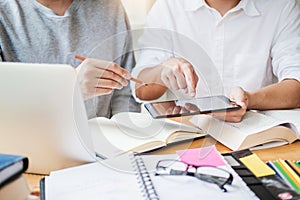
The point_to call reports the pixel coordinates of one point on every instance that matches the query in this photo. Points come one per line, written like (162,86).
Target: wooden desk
(33,182)
(291,152)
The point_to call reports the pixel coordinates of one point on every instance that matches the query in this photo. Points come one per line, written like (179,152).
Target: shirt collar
(192,5)
(247,5)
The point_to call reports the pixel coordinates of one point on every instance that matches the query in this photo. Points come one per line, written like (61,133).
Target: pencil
(137,81)
(132,79)
(279,172)
(80,57)
(285,173)
(290,172)
(297,163)
(294,167)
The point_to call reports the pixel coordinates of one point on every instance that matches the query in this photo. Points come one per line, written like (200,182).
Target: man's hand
(98,77)
(178,74)
(241,98)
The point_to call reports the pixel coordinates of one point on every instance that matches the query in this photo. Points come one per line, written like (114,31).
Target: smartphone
(185,107)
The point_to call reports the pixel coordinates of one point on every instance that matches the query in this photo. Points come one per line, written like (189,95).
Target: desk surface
(290,152)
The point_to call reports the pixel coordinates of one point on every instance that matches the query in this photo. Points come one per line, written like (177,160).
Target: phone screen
(176,108)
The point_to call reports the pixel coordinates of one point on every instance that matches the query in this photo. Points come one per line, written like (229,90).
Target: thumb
(239,96)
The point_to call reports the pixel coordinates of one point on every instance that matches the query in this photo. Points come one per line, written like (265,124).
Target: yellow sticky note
(257,166)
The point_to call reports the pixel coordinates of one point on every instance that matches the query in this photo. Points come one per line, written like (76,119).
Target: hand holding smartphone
(186,107)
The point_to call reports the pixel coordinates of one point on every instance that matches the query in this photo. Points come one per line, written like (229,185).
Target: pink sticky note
(202,156)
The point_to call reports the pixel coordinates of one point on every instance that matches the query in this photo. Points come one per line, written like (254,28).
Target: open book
(257,129)
(137,132)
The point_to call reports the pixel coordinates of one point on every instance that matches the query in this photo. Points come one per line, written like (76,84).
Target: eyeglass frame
(193,174)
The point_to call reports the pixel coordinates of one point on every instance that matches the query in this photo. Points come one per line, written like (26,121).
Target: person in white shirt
(248,50)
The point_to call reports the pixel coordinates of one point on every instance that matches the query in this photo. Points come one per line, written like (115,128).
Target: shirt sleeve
(155,44)
(286,45)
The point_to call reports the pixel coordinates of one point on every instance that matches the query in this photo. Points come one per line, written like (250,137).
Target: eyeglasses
(208,174)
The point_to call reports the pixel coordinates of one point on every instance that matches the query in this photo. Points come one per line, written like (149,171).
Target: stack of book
(288,171)
(13,184)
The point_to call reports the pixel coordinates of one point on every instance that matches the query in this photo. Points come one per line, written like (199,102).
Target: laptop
(42,116)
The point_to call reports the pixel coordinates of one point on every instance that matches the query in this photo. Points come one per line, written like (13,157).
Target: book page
(254,122)
(91,181)
(127,131)
(111,140)
(233,135)
(291,115)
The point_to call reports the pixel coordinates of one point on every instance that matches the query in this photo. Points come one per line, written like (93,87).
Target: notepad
(134,177)
(257,166)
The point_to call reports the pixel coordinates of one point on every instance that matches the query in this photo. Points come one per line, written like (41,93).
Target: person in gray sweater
(46,31)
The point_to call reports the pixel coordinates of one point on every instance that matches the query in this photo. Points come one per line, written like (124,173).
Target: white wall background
(137,11)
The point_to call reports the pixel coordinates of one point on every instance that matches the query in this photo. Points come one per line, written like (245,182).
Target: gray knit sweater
(32,33)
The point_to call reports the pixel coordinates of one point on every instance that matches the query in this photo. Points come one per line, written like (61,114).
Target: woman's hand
(98,77)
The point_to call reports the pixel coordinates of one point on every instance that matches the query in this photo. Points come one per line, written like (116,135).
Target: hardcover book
(11,167)
(256,130)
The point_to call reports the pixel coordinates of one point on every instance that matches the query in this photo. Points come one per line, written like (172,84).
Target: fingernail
(193,94)
(127,76)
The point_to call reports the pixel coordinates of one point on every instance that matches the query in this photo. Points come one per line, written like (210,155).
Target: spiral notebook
(133,176)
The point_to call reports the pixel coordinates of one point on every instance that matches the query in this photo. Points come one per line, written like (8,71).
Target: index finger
(109,66)
(191,81)
(114,67)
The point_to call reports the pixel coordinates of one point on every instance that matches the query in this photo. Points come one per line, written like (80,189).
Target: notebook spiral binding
(144,179)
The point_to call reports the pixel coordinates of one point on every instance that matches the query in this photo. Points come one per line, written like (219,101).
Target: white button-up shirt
(252,45)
